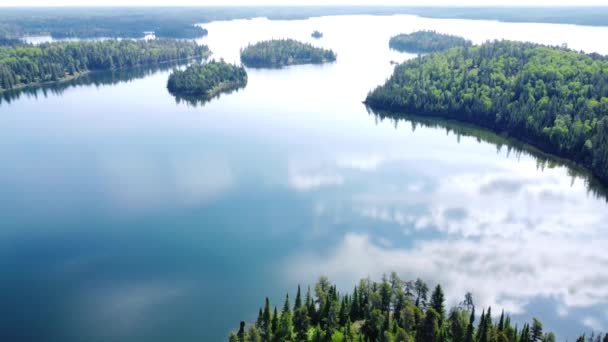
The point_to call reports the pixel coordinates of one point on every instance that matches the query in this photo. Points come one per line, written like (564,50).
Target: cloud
(502,273)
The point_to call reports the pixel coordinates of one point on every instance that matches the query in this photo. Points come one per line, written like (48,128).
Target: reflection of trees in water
(96,78)
(513,146)
(197,101)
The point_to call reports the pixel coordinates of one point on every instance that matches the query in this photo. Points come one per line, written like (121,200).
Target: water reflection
(512,146)
(200,101)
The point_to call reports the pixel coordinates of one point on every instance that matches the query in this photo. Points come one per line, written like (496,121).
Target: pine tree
(437,303)
(274,323)
(266,323)
(355,306)
(537,330)
(241,334)
(298,302)
(471,327)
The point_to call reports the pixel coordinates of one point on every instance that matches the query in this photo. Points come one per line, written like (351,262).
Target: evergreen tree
(429,328)
(421,292)
(274,323)
(537,330)
(437,303)
(266,323)
(298,302)
(241,334)
(471,327)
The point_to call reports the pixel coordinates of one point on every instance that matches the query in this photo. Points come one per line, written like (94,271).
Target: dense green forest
(389,311)
(133,21)
(553,98)
(426,41)
(282,52)
(24,65)
(206,80)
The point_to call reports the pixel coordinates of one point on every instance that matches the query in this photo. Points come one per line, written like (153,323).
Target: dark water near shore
(126,216)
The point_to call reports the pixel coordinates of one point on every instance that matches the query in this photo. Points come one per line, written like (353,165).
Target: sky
(12,3)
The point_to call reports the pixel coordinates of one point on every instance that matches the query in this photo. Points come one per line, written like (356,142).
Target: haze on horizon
(486,3)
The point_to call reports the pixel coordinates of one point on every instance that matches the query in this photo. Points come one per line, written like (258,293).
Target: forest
(426,42)
(206,80)
(177,22)
(553,98)
(23,65)
(392,310)
(282,52)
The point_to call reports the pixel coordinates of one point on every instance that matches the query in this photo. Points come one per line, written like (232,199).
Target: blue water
(126,216)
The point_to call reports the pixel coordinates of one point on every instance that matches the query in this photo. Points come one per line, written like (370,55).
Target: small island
(390,310)
(426,42)
(317,35)
(201,82)
(284,52)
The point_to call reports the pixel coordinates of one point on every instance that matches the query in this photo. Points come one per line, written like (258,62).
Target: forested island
(204,81)
(282,52)
(23,65)
(552,98)
(388,311)
(316,34)
(426,42)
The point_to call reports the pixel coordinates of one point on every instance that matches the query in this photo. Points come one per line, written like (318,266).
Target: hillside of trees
(207,80)
(388,311)
(282,52)
(426,42)
(24,65)
(552,98)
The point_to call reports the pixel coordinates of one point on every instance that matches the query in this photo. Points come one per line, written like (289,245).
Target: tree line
(388,311)
(550,97)
(206,80)
(426,42)
(277,53)
(23,65)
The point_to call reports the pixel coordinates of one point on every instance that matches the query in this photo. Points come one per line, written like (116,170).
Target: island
(201,82)
(316,34)
(24,65)
(283,52)
(426,42)
(550,97)
(390,310)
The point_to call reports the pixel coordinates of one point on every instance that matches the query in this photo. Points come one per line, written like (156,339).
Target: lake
(127,216)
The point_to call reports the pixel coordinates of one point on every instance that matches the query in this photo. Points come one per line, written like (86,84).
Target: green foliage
(376,320)
(553,98)
(282,52)
(23,65)
(204,81)
(426,41)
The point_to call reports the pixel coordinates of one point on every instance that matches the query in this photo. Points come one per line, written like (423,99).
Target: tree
(298,301)
(266,323)
(429,329)
(274,322)
(241,334)
(458,324)
(301,323)
(373,327)
(421,292)
(471,327)
(537,330)
(437,303)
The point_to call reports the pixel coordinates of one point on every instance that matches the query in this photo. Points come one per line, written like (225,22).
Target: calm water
(126,216)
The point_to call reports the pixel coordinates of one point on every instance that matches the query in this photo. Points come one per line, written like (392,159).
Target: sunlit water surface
(126,216)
